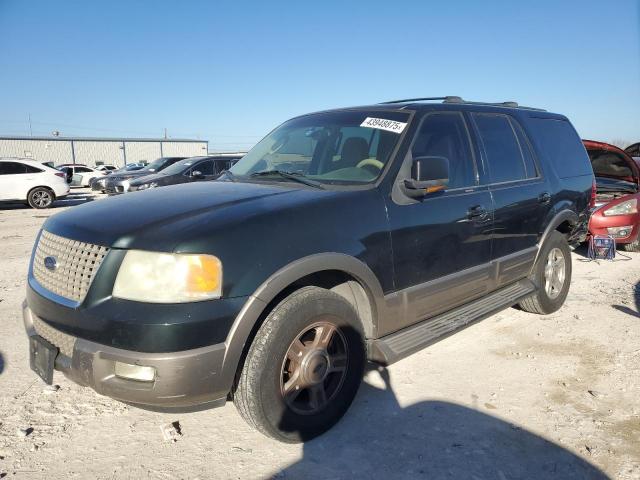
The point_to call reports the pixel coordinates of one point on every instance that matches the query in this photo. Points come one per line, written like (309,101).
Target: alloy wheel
(554,273)
(314,368)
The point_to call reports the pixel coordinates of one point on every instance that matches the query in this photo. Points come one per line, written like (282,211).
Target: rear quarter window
(562,146)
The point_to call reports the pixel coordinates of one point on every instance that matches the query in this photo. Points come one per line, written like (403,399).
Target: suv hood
(160,219)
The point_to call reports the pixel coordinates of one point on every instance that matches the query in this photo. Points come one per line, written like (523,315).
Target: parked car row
(165,171)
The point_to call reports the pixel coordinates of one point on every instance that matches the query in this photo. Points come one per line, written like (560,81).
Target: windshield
(155,165)
(181,166)
(347,147)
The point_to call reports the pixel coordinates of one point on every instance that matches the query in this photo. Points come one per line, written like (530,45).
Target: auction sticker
(383,124)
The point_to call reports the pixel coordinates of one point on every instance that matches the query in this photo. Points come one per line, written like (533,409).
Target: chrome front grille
(55,337)
(74,265)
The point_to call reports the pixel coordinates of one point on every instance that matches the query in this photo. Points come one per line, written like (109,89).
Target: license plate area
(42,357)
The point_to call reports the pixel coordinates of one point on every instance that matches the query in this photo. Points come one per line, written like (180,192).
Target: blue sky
(231,71)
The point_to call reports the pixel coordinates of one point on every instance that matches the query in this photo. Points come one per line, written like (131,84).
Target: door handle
(477,212)
(544,198)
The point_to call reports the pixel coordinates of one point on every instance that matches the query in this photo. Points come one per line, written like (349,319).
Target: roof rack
(459,100)
(448,99)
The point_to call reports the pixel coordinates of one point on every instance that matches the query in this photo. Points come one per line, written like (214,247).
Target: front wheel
(303,368)
(633,246)
(552,275)
(40,197)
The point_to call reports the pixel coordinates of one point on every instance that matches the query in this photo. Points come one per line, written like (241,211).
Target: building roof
(99,139)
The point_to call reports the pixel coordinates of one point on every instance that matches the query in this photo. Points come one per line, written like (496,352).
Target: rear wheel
(40,197)
(552,276)
(303,368)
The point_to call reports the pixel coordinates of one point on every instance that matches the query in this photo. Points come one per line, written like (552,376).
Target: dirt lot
(515,396)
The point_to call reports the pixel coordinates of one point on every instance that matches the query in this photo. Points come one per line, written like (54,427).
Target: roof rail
(448,99)
(459,100)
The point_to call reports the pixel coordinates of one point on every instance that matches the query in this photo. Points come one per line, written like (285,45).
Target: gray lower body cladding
(183,379)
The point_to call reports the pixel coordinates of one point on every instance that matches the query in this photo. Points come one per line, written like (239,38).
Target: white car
(81,174)
(106,168)
(23,180)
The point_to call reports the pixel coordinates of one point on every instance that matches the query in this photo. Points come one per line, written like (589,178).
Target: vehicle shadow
(379,438)
(636,300)
(1,363)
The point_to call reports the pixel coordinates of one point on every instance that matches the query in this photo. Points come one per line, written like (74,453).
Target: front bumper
(599,223)
(183,379)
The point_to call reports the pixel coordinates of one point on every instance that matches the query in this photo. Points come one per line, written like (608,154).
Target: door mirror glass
(428,174)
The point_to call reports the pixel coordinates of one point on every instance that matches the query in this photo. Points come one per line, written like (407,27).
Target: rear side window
(527,152)
(503,149)
(562,146)
(30,169)
(11,168)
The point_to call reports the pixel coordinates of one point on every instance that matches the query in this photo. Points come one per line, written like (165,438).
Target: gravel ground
(515,396)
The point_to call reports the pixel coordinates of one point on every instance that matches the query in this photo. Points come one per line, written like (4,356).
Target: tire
(548,300)
(632,247)
(40,198)
(269,368)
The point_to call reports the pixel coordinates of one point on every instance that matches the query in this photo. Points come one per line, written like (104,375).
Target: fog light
(620,232)
(135,372)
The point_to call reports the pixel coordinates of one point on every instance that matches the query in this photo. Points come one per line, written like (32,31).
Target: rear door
(442,242)
(521,196)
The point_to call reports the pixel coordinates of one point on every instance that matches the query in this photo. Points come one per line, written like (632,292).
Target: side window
(82,170)
(206,168)
(30,169)
(501,147)
(527,152)
(445,135)
(562,146)
(12,168)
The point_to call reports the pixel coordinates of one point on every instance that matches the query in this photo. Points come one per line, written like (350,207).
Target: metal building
(97,151)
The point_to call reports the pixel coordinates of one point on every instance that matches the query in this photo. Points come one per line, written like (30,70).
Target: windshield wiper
(295,176)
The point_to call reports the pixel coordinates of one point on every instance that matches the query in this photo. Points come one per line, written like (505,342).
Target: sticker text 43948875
(383,124)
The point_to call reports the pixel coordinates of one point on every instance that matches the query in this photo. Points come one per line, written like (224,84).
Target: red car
(617,194)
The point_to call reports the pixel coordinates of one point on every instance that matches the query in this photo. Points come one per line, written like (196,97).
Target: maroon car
(617,194)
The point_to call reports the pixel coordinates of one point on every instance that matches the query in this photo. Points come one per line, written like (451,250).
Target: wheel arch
(346,275)
(563,221)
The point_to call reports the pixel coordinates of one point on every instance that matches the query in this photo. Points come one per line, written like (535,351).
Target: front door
(442,242)
(12,180)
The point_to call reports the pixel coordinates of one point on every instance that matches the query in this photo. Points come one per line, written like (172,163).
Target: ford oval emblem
(50,263)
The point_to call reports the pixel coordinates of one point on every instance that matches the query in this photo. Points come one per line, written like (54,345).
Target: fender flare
(256,304)
(558,218)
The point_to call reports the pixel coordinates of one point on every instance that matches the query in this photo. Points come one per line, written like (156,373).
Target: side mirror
(197,174)
(428,174)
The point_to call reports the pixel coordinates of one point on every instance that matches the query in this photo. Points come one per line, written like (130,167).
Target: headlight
(144,186)
(625,208)
(168,278)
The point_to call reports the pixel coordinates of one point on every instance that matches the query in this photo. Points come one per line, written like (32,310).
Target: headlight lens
(625,208)
(168,277)
(144,186)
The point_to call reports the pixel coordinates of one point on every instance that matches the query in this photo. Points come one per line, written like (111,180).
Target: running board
(398,345)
